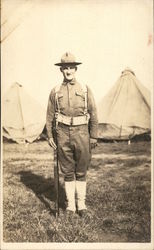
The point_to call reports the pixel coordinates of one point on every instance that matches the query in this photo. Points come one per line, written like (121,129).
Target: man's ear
(61,69)
(76,68)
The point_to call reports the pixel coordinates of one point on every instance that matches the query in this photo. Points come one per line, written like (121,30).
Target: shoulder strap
(57,88)
(84,88)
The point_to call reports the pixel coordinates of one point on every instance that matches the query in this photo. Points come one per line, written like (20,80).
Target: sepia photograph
(77,124)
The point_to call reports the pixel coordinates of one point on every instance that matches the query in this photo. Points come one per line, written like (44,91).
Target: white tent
(126,110)
(23,119)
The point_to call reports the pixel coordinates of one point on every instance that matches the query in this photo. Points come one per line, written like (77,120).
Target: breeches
(73,151)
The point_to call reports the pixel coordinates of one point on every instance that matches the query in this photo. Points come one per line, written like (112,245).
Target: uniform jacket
(71,102)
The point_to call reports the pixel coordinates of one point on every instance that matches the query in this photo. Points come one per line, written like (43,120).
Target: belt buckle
(71,122)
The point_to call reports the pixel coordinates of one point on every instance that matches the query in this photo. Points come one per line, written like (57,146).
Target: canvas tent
(23,118)
(126,110)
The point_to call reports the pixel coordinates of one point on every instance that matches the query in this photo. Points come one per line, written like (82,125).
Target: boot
(70,195)
(81,195)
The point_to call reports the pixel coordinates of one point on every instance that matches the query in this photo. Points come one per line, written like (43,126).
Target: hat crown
(68,58)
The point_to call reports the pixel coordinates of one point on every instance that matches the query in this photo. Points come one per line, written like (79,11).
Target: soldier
(73,106)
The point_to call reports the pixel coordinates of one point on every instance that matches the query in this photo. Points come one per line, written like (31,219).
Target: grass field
(118,195)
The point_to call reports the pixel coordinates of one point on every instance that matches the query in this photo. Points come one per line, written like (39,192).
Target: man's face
(68,72)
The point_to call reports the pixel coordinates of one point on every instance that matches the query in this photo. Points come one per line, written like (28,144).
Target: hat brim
(69,63)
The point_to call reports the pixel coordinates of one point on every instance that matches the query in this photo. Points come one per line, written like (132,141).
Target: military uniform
(75,107)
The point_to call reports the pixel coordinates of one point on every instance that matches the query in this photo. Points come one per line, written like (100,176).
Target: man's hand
(52,143)
(93,143)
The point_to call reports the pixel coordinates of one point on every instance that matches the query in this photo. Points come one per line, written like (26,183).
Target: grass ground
(118,195)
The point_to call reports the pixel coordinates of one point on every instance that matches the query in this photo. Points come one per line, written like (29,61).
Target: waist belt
(72,121)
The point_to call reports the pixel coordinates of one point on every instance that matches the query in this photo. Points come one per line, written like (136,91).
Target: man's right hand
(52,143)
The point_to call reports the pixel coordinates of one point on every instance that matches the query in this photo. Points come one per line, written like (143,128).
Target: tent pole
(21,112)
(129,142)
(120,131)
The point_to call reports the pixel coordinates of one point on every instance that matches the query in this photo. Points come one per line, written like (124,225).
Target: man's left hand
(93,143)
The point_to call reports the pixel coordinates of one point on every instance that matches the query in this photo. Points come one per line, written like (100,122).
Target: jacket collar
(70,82)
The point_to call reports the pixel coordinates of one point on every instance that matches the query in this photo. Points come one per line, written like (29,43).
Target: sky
(105,35)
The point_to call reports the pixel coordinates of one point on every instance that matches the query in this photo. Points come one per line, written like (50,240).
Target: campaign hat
(68,59)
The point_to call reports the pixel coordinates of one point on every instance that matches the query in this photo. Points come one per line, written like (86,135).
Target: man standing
(72,105)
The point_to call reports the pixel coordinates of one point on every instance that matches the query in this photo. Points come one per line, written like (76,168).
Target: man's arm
(50,118)
(92,110)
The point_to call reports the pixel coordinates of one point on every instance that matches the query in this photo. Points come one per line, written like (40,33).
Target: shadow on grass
(43,189)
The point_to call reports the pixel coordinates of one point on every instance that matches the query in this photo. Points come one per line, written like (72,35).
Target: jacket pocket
(81,94)
(60,95)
